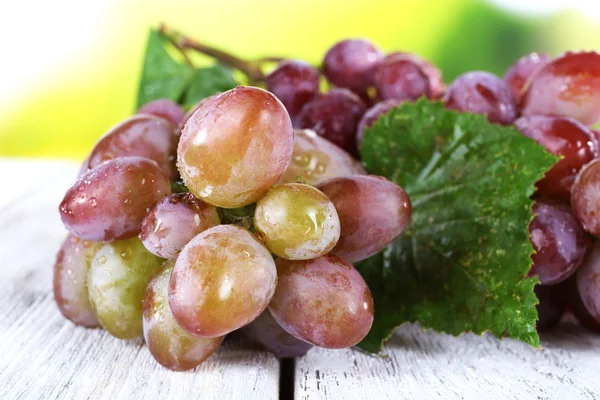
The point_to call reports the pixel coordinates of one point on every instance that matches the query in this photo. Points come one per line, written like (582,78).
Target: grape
(235,147)
(164,108)
(373,115)
(70,280)
(585,291)
(266,332)
(294,83)
(141,135)
(323,301)
(335,116)
(437,86)
(552,304)
(297,221)
(117,280)
(520,72)
(223,279)
(350,64)
(316,159)
(566,86)
(170,345)
(111,201)
(563,137)
(585,197)
(372,210)
(559,241)
(174,221)
(401,77)
(480,92)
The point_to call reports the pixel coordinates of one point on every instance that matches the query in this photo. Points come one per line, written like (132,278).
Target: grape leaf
(461,263)
(208,81)
(162,75)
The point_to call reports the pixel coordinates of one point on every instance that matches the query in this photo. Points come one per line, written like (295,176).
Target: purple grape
(585,291)
(401,77)
(174,221)
(481,92)
(294,83)
(335,116)
(521,71)
(373,115)
(585,197)
(164,108)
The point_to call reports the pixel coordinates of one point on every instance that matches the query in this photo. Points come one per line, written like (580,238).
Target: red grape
(335,116)
(350,64)
(70,280)
(481,92)
(566,86)
(111,201)
(563,137)
(141,135)
(164,108)
(294,83)
(559,241)
(372,210)
(223,279)
(585,197)
(235,147)
(323,301)
(265,331)
(520,72)
(585,291)
(174,221)
(400,77)
(373,115)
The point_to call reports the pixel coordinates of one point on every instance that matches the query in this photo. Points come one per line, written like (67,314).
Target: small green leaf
(208,81)
(162,76)
(461,264)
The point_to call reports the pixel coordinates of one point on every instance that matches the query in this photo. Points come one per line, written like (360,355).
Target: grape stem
(250,68)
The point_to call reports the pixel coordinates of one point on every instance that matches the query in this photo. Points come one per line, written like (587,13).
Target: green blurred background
(70,68)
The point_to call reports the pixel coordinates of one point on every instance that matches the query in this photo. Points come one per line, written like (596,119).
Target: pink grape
(373,115)
(294,83)
(521,71)
(585,197)
(164,108)
(401,78)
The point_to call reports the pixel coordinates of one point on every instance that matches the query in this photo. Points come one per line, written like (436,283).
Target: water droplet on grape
(92,201)
(102,260)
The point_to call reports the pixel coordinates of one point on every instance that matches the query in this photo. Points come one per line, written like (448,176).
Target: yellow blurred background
(70,68)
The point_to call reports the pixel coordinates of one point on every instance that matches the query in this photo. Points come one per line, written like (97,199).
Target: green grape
(297,221)
(117,281)
(168,343)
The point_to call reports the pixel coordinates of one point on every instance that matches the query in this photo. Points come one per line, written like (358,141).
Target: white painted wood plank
(43,356)
(427,365)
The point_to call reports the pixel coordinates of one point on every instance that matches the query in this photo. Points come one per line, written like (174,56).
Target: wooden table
(44,356)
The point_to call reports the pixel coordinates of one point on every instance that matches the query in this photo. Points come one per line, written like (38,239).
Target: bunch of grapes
(185,227)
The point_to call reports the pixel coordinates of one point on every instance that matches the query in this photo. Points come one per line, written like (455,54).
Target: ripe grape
(585,290)
(235,147)
(111,201)
(373,115)
(585,197)
(350,64)
(174,221)
(521,71)
(563,137)
(266,332)
(552,304)
(316,159)
(297,222)
(294,83)
(117,281)
(170,345)
(437,86)
(373,211)
(335,116)
(164,108)
(559,241)
(400,77)
(323,301)
(141,135)
(566,86)
(70,280)
(481,92)
(223,279)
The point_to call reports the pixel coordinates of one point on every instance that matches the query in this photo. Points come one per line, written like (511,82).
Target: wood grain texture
(44,356)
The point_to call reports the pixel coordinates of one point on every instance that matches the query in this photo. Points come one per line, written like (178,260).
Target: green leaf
(162,76)
(208,81)
(461,264)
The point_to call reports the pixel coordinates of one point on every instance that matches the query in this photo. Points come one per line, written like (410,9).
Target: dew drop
(102,260)
(92,201)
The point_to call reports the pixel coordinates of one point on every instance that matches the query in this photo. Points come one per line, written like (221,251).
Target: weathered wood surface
(43,356)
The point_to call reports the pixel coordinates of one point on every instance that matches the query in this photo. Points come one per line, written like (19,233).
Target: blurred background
(70,68)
